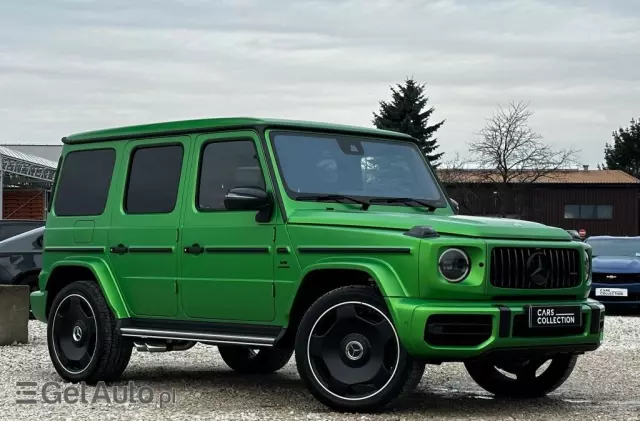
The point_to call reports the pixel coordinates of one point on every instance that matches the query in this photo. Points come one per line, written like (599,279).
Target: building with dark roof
(602,202)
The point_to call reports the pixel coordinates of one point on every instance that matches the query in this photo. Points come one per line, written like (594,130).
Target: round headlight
(454,265)
(587,265)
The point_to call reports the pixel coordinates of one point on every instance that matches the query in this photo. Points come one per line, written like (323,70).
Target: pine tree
(624,154)
(406,113)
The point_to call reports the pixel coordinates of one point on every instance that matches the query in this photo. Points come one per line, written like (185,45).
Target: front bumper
(631,300)
(491,328)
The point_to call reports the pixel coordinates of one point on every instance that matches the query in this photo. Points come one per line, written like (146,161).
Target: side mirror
(456,206)
(249,198)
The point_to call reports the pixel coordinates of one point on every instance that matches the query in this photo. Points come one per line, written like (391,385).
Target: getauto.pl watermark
(30,393)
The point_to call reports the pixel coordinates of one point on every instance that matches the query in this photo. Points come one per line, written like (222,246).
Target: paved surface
(605,385)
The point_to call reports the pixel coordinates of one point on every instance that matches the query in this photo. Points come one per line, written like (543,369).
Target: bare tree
(509,151)
(511,155)
(460,183)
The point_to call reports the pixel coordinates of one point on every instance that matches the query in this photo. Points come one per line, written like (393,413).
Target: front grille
(616,278)
(458,329)
(509,268)
(521,329)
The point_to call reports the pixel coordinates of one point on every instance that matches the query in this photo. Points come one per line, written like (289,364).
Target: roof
(32,159)
(556,177)
(213,124)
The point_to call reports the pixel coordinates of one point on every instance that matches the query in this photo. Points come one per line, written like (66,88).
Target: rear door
(143,240)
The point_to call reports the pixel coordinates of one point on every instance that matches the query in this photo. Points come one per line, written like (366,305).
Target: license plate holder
(612,292)
(541,317)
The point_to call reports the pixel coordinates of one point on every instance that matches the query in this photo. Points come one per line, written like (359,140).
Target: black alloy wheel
(522,377)
(83,342)
(353,350)
(349,354)
(75,336)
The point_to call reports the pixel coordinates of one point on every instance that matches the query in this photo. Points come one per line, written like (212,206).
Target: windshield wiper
(406,200)
(335,198)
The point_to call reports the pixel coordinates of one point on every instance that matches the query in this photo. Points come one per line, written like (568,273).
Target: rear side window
(225,165)
(83,185)
(154,179)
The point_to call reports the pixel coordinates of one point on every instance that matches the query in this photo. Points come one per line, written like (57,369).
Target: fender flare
(105,279)
(380,271)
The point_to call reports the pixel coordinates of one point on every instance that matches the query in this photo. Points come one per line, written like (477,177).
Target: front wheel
(522,378)
(349,355)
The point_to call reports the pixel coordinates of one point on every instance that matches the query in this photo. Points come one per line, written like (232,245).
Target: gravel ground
(605,385)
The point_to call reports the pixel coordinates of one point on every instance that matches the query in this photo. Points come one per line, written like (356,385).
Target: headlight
(587,265)
(454,265)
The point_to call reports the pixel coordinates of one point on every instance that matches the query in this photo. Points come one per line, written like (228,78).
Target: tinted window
(353,166)
(154,179)
(83,185)
(225,165)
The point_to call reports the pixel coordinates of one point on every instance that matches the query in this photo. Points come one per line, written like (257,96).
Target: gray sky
(69,66)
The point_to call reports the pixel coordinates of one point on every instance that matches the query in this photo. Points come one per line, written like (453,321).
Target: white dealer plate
(612,292)
(555,316)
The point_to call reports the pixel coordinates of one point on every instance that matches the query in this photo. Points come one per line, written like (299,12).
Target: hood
(616,264)
(470,226)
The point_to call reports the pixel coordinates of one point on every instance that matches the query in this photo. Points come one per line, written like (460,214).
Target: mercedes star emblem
(354,350)
(538,267)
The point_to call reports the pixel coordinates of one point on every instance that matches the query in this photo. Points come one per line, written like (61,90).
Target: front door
(143,239)
(227,266)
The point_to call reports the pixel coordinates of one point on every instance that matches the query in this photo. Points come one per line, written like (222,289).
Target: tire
(248,360)
(349,355)
(525,385)
(81,336)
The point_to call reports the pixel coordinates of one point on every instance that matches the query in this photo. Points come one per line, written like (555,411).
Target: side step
(213,338)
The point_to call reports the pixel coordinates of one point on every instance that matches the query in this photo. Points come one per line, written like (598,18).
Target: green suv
(265,237)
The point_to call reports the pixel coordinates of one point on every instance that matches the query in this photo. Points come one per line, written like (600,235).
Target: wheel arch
(65,272)
(321,278)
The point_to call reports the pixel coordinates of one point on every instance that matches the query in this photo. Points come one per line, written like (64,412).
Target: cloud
(68,66)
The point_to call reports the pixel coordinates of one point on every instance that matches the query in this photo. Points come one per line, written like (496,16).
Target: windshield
(615,247)
(353,166)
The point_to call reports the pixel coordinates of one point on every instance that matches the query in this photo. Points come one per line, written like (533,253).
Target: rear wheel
(522,378)
(254,360)
(349,355)
(82,338)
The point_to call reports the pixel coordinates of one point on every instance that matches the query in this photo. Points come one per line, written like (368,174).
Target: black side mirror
(249,198)
(456,206)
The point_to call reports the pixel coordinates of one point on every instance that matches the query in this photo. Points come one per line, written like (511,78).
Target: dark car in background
(616,270)
(12,227)
(21,258)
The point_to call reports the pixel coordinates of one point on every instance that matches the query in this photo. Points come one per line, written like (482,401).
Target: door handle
(119,249)
(194,249)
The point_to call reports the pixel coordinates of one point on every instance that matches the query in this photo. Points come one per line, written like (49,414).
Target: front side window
(83,183)
(225,165)
(154,179)
(354,166)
